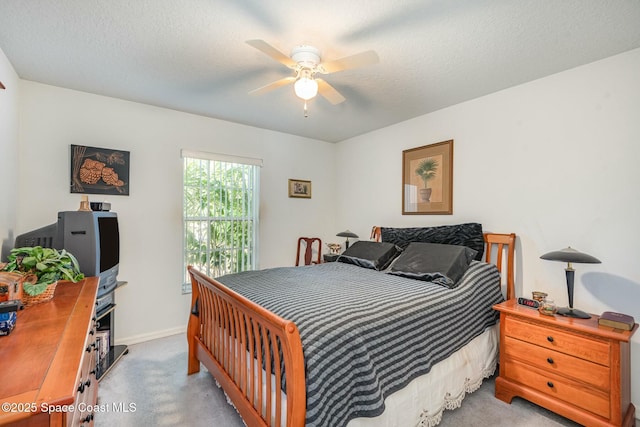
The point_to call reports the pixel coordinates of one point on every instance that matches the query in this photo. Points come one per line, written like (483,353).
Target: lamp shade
(570,255)
(347,234)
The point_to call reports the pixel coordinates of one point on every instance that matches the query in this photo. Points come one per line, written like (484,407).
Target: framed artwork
(300,188)
(99,170)
(427,180)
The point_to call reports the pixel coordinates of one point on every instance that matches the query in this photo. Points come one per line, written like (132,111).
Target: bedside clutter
(330,257)
(574,367)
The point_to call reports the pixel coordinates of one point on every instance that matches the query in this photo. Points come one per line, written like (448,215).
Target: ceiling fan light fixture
(305,61)
(305,88)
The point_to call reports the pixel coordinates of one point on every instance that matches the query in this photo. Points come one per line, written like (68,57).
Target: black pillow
(469,235)
(433,262)
(375,255)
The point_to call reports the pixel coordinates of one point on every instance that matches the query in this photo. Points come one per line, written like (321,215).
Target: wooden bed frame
(228,333)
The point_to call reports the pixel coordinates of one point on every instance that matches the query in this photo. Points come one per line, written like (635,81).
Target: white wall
(8,151)
(150,218)
(554,160)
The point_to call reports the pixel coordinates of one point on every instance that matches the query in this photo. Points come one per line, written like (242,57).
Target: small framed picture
(300,188)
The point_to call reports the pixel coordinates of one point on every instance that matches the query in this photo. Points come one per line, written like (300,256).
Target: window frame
(253,216)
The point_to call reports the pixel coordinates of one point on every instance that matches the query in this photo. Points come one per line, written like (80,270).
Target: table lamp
(570,255)
(347,234)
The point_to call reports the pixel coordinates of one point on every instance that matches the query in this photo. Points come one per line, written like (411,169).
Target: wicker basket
(28,300)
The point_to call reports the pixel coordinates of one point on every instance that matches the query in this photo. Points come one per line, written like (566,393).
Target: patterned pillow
(374,255)
(433,262)
(469,235)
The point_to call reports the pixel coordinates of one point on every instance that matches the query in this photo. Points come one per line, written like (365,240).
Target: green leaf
(29,262)
(48,277)
(36,289)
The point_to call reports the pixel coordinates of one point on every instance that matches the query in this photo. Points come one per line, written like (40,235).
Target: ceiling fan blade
(273,85)
(329,92)
(271,51)
(361,59)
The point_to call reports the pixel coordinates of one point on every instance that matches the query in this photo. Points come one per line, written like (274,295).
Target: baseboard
(152,336)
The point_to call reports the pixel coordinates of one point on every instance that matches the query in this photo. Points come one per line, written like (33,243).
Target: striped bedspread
(366,334)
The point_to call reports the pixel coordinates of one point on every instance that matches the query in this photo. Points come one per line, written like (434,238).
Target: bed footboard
(250,351)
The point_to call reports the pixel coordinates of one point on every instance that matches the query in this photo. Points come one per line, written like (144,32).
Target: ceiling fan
(305,63)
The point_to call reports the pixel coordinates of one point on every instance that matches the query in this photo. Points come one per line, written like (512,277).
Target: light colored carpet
(151,382)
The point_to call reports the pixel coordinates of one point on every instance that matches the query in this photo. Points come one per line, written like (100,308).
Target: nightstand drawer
(558,387)
(583,347)
(559,363)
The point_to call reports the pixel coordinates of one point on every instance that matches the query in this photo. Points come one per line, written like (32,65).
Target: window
(220,213)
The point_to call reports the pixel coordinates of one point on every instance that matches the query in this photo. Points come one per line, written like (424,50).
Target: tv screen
(109,242)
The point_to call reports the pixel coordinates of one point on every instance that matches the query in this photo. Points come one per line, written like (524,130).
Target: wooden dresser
(573,367)
(47,364)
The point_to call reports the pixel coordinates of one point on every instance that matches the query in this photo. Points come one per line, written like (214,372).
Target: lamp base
(573,312)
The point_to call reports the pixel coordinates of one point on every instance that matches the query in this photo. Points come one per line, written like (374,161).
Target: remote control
(528,302)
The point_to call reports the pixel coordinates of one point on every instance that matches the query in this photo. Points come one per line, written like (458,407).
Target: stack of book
(616,320)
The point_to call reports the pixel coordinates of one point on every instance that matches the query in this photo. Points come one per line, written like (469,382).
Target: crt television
(93,237)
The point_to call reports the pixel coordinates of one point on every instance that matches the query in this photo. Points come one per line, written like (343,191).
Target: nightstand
(573,367)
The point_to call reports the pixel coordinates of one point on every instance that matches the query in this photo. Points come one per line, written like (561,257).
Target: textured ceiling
(191,55)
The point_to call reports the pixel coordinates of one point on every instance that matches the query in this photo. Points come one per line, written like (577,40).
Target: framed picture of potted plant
(427,179)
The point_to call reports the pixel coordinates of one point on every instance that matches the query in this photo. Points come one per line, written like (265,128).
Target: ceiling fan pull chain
(306,112)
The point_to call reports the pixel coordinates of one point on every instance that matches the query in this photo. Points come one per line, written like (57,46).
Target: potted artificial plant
(427,171)
(44,266)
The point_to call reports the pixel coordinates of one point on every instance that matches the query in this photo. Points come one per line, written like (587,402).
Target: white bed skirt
(423,400)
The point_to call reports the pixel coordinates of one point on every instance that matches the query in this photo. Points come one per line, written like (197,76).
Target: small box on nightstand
(330,257)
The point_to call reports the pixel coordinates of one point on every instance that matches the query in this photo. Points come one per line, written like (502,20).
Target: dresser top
(589,326)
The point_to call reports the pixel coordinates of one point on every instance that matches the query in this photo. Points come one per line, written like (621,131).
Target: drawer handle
(550,384)
(550,360)
(91,332)
(81,388)
(550,338)
(87,383)
(87,419)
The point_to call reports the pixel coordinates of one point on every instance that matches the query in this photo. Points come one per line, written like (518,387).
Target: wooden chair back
(309,243)
(502,243)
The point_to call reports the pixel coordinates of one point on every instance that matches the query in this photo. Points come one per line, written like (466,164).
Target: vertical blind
(220,213)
